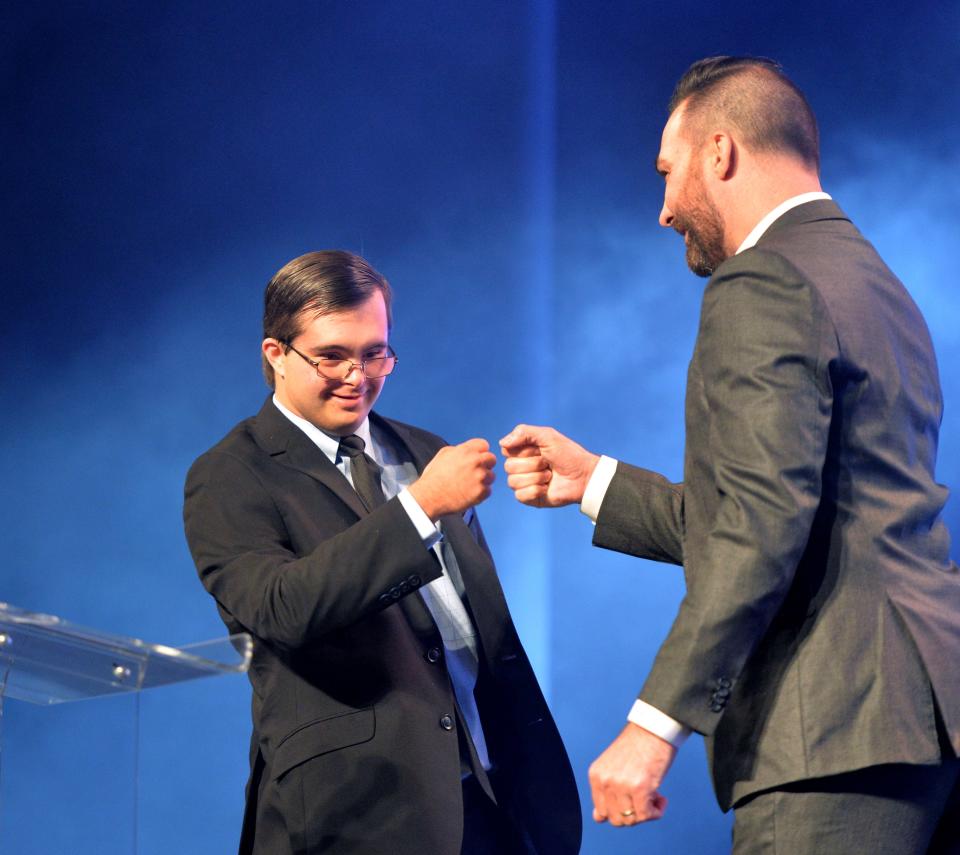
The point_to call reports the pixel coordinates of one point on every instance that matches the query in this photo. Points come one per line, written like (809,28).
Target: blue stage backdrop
(494,160)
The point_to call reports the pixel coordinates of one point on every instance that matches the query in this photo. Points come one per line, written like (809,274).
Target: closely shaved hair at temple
(754,97)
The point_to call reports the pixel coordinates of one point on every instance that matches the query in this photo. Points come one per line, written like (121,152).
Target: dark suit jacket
(353,749)
(821,604)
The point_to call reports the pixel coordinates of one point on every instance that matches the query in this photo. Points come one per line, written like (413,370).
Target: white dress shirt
(642,713)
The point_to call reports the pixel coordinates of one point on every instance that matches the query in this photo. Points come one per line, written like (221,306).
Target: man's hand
(458,477)
(545,468)
(625,779)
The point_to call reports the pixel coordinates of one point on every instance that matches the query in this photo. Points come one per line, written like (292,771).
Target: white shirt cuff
(658,723)
(597,486)
(428,530)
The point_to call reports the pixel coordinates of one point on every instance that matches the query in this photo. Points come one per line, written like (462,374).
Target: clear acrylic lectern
(47,661)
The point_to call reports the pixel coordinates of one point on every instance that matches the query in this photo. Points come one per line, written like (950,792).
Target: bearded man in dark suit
(394,709)
(817,645)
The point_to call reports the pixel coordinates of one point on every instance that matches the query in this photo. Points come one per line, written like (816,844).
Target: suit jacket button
(433,654)
(446,722)
(415,581)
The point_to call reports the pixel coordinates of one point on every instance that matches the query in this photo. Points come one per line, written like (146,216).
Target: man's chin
(699,265)
(343,422)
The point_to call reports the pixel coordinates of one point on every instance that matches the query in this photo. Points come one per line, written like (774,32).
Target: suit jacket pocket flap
(321,737)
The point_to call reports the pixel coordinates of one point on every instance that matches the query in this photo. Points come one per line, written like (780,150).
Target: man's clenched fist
(458,477)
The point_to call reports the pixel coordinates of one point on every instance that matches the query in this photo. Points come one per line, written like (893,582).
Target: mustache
(681,226)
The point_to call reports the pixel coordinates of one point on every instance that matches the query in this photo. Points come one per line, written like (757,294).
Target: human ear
(274,353)
(722,155)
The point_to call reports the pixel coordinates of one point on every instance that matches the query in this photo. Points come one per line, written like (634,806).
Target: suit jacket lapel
(483,595)
(413,606)
(289,445)
(421,453)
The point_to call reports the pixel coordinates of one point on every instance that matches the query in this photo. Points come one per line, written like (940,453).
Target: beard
(702,223)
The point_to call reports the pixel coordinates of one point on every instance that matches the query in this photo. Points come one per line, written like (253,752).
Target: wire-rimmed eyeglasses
(339,369)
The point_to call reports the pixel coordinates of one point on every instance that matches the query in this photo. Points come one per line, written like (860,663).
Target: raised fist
(458,477)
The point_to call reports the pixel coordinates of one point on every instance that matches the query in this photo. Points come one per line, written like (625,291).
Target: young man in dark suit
(394,709)
(818,642)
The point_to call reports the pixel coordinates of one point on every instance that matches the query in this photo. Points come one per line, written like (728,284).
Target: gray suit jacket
(821,622)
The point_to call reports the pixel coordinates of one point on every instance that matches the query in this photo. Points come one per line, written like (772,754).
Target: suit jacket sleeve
(642,515)
(762,355)
(245,553)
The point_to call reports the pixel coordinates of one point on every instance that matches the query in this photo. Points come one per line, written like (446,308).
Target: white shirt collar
(326,442)
(775,214)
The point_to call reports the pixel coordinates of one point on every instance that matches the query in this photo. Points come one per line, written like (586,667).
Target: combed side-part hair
(318,283)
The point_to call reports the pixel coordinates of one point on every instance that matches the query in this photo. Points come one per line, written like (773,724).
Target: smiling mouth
(349,400)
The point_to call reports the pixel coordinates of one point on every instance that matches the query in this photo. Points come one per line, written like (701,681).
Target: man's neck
(760,190)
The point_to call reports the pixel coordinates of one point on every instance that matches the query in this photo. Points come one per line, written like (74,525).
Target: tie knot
(352,446)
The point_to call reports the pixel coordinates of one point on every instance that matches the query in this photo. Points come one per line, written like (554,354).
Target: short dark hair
(318,283)
(756,97)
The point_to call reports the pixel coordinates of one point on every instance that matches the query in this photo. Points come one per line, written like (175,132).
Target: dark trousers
(487,830)
(882,810)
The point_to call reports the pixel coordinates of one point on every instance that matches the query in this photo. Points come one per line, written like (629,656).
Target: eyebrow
(339,348)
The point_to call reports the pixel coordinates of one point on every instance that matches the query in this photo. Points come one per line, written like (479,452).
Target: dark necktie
(364,472)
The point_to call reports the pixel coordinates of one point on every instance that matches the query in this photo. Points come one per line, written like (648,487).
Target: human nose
(666,216)
(348,376)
